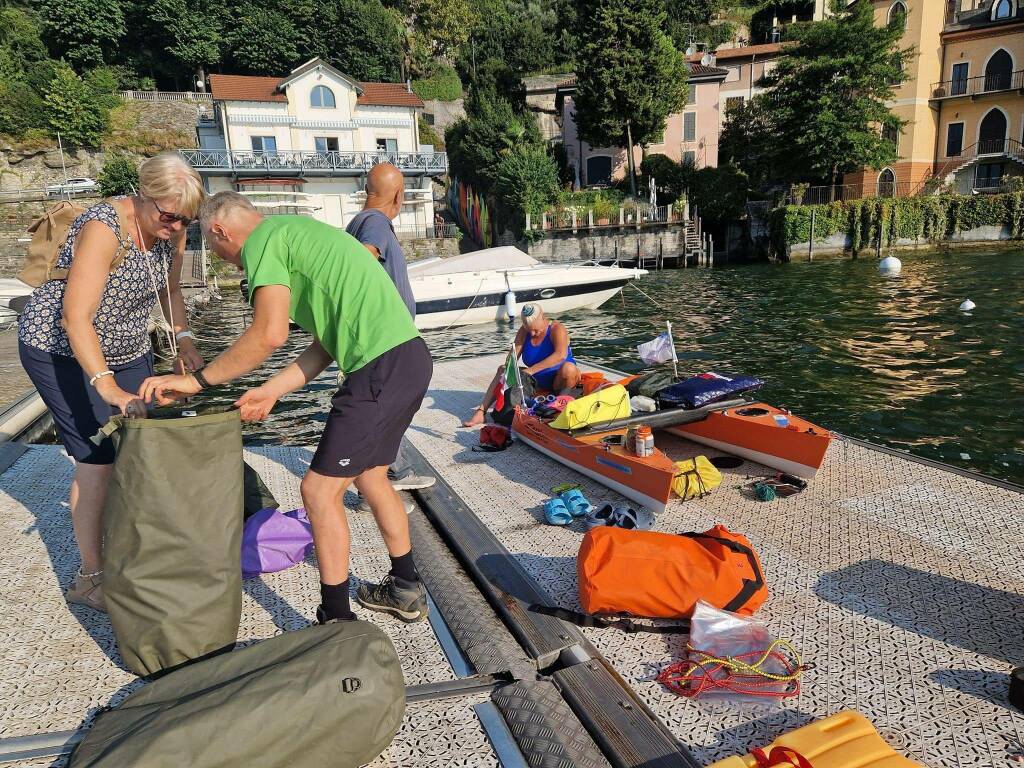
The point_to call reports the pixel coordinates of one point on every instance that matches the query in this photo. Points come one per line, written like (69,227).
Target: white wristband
(183,335)
(98,376)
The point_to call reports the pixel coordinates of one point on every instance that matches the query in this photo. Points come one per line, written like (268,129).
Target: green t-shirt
(340,292)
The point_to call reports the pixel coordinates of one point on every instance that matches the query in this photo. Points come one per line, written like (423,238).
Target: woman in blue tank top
(546,351)
(544,348)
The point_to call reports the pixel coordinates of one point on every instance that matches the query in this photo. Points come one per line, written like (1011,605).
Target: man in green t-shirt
(326,282)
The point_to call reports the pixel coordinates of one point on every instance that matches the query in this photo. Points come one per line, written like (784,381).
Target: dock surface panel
(902,582)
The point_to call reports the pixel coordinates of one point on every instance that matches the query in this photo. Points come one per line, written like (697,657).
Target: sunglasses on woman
(167,217)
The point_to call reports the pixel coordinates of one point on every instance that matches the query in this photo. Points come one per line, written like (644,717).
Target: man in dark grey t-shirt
(385,193)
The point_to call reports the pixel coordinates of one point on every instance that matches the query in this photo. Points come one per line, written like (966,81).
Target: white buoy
(510,305)
(890,265)
(967,305)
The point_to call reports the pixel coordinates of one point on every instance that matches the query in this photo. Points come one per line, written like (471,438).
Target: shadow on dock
(976,618)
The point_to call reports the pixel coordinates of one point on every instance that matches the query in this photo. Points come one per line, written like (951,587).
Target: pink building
(690,135)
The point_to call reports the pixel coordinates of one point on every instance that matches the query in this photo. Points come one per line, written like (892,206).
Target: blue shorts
(78,410)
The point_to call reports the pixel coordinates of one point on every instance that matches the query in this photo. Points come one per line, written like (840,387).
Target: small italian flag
(509,380)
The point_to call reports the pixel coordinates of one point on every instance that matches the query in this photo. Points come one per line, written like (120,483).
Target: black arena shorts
(372,410)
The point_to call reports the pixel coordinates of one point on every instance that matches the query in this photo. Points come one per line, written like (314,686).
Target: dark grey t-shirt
(373,227)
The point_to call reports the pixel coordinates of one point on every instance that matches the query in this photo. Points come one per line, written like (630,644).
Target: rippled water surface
(890,360)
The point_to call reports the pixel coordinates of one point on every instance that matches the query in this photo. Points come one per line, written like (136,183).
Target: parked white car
(72,186)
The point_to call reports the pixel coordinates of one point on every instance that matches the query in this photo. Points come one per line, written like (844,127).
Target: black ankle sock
(404,568)
(334,599)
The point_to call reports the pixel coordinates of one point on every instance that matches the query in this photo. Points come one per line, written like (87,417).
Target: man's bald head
(385,189)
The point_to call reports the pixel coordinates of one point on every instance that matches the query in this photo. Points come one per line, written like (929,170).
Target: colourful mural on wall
(470,211)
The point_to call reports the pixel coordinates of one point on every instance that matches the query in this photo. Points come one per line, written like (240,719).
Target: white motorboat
(489,285)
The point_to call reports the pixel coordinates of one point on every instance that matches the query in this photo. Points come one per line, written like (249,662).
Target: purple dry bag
(273,541)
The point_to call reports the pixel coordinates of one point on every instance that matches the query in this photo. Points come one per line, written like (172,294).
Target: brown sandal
(86,590)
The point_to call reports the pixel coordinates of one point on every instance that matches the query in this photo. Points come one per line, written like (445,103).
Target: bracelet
(184,335)
(200,379)
(98,376)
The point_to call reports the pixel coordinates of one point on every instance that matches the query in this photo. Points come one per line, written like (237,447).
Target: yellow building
(962,97)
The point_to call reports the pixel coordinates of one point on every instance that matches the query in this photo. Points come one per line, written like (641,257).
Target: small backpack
(49,233)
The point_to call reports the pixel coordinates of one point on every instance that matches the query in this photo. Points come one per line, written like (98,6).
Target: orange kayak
(762,433)
(601,456)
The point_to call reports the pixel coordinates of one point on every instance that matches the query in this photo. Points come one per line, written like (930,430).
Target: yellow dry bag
(695,478)
(604,405)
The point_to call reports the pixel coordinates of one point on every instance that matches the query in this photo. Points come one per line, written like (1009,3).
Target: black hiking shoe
(321,617)
(405,599)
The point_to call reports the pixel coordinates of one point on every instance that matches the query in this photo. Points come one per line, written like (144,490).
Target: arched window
(322,97)
(886,183)
(999,71)
(898,15)
(1002,9)
(992,133)
(599,170)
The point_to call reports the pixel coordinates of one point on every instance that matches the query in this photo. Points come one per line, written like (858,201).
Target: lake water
(890,360)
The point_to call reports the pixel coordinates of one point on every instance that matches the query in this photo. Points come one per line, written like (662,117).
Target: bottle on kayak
(643,441)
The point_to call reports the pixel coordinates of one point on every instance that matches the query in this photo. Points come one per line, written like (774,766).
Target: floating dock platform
(901,580)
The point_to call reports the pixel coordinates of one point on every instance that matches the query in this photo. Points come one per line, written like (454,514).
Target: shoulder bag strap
(600,622)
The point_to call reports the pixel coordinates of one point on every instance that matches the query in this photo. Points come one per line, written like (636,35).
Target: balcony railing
(344,163)
(166,96)
(976,86)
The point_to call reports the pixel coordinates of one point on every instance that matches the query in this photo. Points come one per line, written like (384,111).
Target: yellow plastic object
(844,740)
(604,405)
(695,478)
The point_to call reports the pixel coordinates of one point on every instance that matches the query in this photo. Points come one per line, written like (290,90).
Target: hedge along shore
(855,226)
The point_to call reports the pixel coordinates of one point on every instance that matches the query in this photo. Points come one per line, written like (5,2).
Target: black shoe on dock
(406,600)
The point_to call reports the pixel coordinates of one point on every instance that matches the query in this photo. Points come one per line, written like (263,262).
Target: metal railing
(166,96)
(841,192)
(634,215)
(444,231)
(992,82)
(331,162)
(993,148)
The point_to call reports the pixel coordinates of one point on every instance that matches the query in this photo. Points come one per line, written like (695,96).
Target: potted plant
(603,210)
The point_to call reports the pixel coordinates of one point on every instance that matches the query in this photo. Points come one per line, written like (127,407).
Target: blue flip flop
(576,502)
(640,519)
(597,517)
(556,513)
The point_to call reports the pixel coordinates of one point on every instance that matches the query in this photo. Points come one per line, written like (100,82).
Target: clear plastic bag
(733,657)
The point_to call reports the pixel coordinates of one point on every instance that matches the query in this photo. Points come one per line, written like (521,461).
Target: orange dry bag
(663,575)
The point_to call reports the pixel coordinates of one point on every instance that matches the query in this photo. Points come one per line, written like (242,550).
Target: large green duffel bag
(328,695)
(172,534)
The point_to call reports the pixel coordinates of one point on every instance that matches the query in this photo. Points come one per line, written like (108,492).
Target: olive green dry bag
(329,695)
(173,537)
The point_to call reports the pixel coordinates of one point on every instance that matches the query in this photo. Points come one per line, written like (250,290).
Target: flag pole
(671,341)
(515,367)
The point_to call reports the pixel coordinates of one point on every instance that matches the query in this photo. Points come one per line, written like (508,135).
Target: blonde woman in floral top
(84,341)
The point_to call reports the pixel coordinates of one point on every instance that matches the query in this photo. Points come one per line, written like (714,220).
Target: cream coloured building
(962,97)
(304,143)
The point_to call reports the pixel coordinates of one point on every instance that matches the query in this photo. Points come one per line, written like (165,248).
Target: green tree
(828,96)
(365,41)
(445,23)
(74,111)
(748,140)
(21,43)
(21,108)
(630,76)
(720,194)
(478,142)
(263,40)
(120,176)
(103,85)
(526,181)
(85,32)
(191,31)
